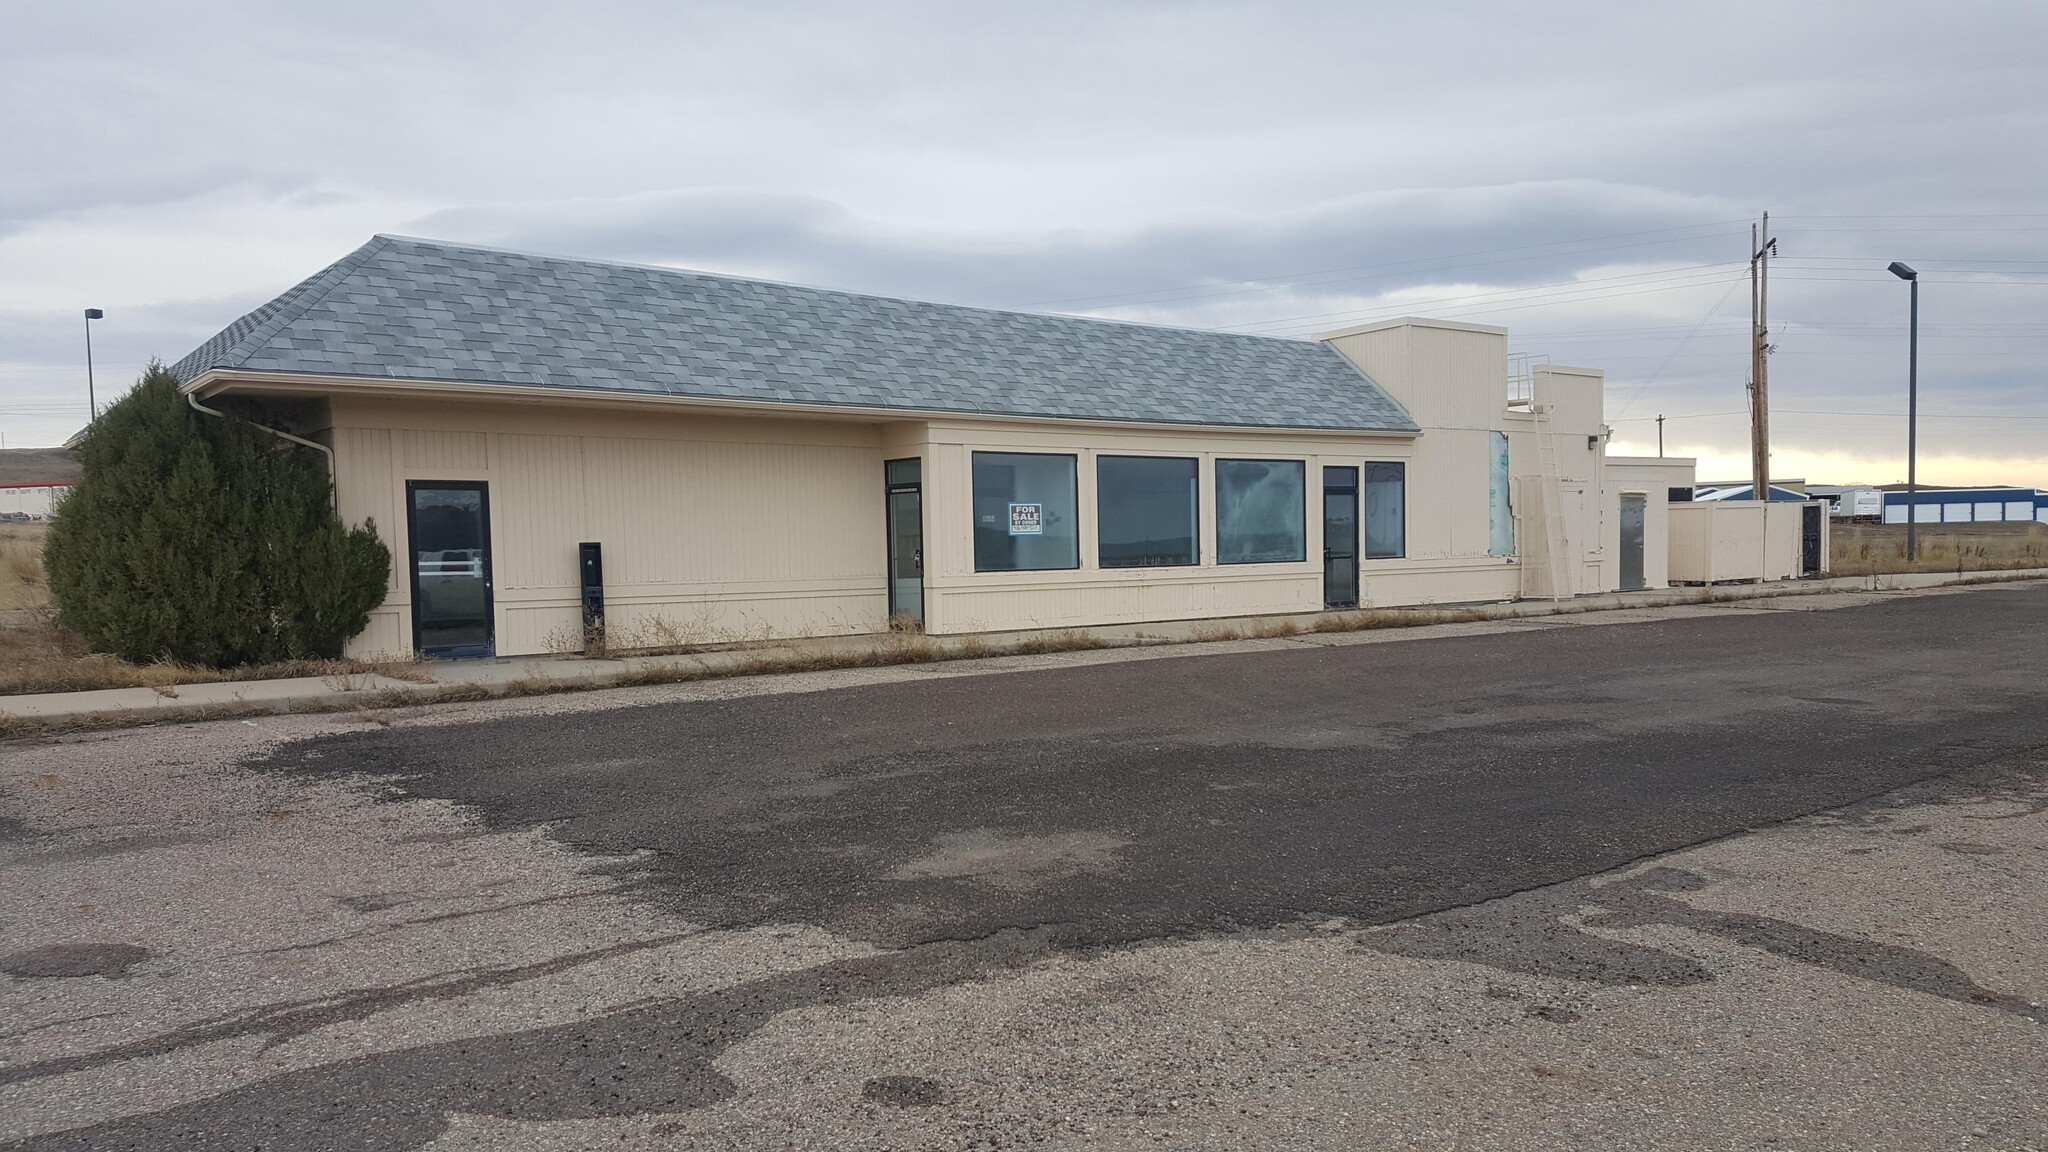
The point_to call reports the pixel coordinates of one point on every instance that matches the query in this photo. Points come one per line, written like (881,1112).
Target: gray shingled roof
(407,309)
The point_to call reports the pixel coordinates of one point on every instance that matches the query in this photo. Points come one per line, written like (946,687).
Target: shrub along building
(756,459)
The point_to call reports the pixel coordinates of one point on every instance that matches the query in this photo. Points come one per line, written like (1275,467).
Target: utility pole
(1660,435)
(1761,247)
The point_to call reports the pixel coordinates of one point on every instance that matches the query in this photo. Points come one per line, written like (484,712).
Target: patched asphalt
(1474,794)
(1128,802)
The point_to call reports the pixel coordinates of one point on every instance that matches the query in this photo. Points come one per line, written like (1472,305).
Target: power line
(1827,412)
(1923,216)
(1732,284)
(1815,231)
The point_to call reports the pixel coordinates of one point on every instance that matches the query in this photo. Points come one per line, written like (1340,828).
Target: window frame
(1301,505)
(1195,508)
(1073,460)
(1365,504)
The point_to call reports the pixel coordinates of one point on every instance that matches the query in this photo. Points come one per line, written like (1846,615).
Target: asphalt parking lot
(1768,876)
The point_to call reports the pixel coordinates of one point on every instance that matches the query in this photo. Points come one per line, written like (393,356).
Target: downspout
(333,495)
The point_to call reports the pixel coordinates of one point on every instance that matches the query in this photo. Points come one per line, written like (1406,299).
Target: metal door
(448,533)
(1809,539)
(905,496)
(1340,537)
(1632,511)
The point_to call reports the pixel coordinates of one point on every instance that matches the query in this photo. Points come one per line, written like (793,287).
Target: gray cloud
(1195,163)
(1522,234)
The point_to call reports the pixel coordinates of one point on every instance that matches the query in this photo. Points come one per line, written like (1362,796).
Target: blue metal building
(1968,505)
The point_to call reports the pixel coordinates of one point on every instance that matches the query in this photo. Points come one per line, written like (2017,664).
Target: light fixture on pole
(1912,411)
(92,408)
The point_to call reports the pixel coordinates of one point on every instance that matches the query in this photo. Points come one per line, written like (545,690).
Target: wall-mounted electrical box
(590,555)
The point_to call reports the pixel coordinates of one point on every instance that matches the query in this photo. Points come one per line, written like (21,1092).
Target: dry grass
(660,635)
(1367,619)
(37,656)
(1869,549)
(894,648)
(1068,641)
(22,585)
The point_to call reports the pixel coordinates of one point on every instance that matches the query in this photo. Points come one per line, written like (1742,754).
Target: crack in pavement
(1532,933)
(283,1022)
(395,1101)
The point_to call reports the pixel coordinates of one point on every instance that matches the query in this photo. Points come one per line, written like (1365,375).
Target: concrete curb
(522,676)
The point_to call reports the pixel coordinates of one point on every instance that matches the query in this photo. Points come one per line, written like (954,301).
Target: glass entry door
(1632,509)
(1340,537)
(449,534)
(905,494)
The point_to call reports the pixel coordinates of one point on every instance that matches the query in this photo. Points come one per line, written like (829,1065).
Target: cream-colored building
(755,460)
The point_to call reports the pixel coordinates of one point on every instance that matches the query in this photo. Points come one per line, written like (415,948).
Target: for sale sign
(1027,519)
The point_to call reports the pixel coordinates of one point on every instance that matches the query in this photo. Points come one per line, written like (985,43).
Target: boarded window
(1500,513)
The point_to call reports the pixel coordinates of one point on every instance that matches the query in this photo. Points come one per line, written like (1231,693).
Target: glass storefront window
(1146,511)
(1024,512)
(1259,512)
(1386,511)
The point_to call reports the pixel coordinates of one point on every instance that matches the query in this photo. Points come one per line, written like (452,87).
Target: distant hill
(37,465)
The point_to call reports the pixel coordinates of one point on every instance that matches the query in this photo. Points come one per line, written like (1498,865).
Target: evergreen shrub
(207,541)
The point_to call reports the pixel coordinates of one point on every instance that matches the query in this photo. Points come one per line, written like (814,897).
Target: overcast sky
(1582,174)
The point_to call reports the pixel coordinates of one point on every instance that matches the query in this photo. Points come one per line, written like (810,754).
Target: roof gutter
(333,494)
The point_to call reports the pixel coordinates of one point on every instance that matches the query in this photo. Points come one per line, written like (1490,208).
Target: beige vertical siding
(724,528)
(1447,374)
(714,528)
(1452,377)
(365,464)
(1736,540)
(1653,477)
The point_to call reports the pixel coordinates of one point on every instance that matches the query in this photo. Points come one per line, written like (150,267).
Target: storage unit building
(1966,505)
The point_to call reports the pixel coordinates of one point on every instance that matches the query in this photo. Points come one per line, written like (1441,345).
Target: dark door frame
(896,488)
(1357,529)
(1642,541)
(1809,539)
(412,567)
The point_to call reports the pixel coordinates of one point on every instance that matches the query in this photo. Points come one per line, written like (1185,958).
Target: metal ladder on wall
(1553,574)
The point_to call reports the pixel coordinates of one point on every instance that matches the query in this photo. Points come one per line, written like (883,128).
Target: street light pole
(1912,411)
(92,407)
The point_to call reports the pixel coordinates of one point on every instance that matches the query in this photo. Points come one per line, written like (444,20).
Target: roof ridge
(234,344)
(676,271)
(303,298)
